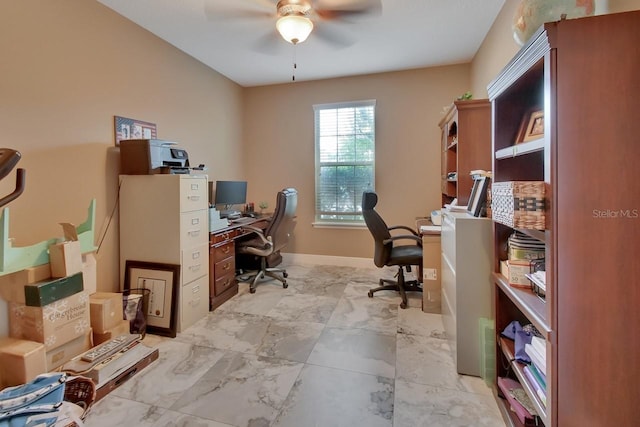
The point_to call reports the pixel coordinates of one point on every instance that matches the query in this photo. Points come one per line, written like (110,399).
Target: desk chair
(387,252)
(270,240)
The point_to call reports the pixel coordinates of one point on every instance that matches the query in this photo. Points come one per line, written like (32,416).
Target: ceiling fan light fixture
(294,28)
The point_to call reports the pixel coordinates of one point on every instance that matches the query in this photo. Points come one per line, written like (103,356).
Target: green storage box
(43,293)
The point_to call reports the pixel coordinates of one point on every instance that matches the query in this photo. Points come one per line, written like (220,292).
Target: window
(345,160)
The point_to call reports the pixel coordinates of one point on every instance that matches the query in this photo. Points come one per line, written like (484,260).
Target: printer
(152,156)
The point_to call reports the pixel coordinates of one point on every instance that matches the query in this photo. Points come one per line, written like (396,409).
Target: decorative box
(519,204)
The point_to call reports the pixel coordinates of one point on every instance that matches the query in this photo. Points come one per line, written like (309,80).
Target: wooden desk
(222,259)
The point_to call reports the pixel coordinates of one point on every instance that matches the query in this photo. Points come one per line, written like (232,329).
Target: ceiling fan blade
(333,36)
(335,9)
(270,44)
(215,12)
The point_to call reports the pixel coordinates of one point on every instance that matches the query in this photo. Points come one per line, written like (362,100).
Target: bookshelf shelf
(527,302)
(521,149)
(508,349)
(587,300)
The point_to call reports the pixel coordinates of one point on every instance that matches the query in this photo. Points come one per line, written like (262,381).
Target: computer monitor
(228,194)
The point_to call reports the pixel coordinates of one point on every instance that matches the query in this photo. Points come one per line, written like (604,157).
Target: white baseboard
(310,259)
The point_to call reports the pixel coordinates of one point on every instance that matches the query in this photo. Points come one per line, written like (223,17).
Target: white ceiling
(238,39)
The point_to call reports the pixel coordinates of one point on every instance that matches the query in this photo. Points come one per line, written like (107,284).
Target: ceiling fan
(296,19)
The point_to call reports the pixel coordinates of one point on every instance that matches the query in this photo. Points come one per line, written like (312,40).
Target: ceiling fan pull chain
(295,65)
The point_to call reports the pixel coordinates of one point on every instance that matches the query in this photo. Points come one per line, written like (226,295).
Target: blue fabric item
(511,330)
(34,403)
(522,338)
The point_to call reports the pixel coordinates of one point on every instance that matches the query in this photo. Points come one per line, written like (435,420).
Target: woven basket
(80,391)
(518,204)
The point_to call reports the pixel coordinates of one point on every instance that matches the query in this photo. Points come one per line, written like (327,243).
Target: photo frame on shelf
(532,126)
(162,281)
(478,195)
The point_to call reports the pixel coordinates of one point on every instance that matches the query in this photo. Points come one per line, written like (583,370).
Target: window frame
(341,223)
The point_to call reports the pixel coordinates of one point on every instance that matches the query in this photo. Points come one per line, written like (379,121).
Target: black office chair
(271,240)
(389,253)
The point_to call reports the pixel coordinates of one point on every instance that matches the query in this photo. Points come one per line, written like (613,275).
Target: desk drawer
(223,283)
(195,263)
(194,228)
(223,251)
(225,266)
(222,237)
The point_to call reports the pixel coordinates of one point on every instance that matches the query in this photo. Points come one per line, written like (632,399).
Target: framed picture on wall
(126,128)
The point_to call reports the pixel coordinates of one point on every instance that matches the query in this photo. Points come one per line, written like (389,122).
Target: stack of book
(536,371)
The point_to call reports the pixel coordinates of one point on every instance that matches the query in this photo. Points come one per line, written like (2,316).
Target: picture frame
(532,126)
(126,128)
(162,280)
(478,196)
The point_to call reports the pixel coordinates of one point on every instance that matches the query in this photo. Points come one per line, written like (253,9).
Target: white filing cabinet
(466,285)
(165,219)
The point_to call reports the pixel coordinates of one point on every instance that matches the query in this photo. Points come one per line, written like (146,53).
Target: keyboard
(243,220)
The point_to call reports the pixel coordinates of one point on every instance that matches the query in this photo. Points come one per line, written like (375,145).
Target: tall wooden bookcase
(585,75)
(466,146)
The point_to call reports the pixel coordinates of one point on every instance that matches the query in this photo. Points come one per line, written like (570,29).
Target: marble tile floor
(320,353)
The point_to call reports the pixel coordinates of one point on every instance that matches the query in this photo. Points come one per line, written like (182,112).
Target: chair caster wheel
(252,291)
(285,274)
(370,294)
(285,285)
(403,305)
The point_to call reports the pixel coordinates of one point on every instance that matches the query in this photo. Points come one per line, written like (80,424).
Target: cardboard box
(431,274)
(54,324)
(60,355)
(106,310)
(12,284)
(515,270)
(65,258)
(89,273)
(21,361)
(51,290)
(120,329)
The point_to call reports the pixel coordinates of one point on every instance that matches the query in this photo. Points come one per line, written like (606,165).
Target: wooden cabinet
(466,286)
(164,219)
(466,146)
(583,74)
(222,260)
(222,267)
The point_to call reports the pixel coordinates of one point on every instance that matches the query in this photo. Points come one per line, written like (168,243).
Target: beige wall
(69,66)
(499,47)
(279,147)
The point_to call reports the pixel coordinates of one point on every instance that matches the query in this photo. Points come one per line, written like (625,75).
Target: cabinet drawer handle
(195,267)
(227,282)
(194,186)
(195,255)
(227,266)
(226,249)
(193,198)
(194,233)
(195,221)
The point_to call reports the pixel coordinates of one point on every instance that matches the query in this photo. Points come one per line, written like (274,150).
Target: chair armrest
(417,239)
(404,227)
(259,232)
